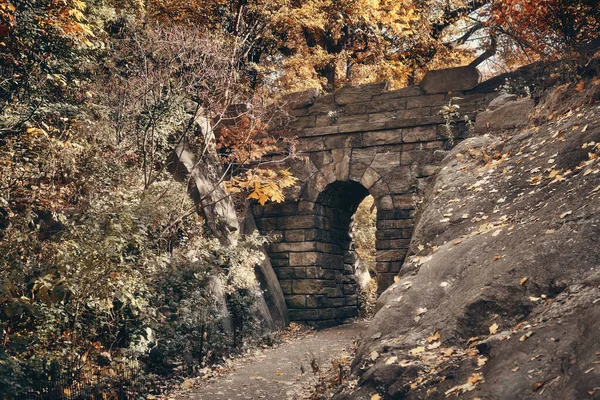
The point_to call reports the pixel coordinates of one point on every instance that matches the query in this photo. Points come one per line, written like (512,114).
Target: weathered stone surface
(379,138)
(428,101)
(512,115)
(501,100)
(311,286)
(301,99)
(414,90)
(356,94)
(296,301)
(450,80)
(419,134)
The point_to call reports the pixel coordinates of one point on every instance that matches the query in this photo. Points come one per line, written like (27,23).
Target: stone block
(295,301)
(369,178)
(391,255)
(382,267)
(322,105)
(361,127)
(311,144)
(385,203)
(395,214)
(318,131)
(355,94)
(450,80)
(303,123)
(343,141)
(386,234)
(399,179)
(379,189)
(286,286)
(406,200)
(379,138)
(433,100)
(301,99)
(410,157)
(341,160)
(279,262)
(348,119)
(296,222)
(291,273)
(316,301)
(409,91)
(337,302)
(383,162)
(306,258)
(293,247)
(419,134)
(394,224)
(350,289)
(320,158)
(351,300)
(389,244)
(320,273)
(296,235)
(310,286)
(383,116)
(359,162)
(333,292)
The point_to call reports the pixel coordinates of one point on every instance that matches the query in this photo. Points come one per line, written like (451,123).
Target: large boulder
(450,80)
(500,299)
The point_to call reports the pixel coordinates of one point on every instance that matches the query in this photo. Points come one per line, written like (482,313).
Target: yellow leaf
(433,338)
(493,329)
(376,396)
(523,280)
(417,350)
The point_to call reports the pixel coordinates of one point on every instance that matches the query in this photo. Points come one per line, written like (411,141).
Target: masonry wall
(358,141)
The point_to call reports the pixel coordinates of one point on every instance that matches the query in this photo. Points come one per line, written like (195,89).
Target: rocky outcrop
(500,297)
(203,177)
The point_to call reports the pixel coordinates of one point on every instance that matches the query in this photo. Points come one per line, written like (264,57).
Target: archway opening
(336,210)
(363,232)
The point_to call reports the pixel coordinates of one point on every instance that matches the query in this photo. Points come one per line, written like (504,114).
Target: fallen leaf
(434,346)
(538,385)
(391,360)
(525,336)
(565,214)
(376,396)
(279,373)
(550,231)
(481,361)
(374,355)
(433,338)
(515,369)
(421,310)
(493,329)
(456,242)
(417,350)
(523,280)
(498,257)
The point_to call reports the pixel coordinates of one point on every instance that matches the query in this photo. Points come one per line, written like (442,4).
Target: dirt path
(276,374)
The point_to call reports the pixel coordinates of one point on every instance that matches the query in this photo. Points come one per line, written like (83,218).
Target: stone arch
(359,140)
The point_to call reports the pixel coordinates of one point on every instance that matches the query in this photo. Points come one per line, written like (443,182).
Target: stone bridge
(358,141)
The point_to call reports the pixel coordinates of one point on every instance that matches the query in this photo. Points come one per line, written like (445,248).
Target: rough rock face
(501,298)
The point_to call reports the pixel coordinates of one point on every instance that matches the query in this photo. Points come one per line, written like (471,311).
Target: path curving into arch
(276,373)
